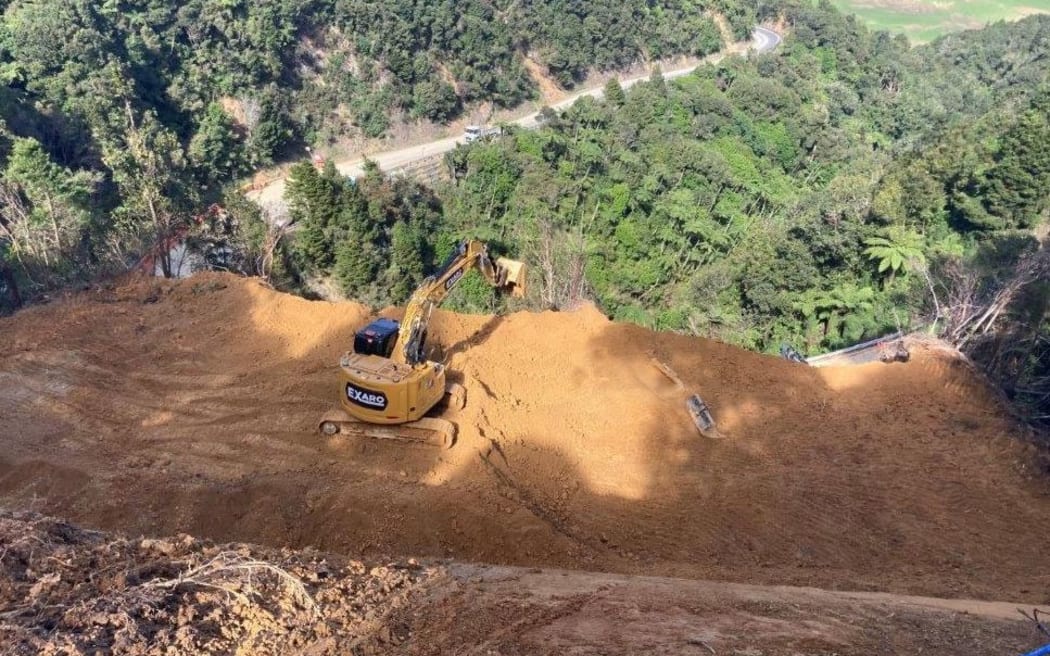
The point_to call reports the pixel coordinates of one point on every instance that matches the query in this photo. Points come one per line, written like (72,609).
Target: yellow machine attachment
(386,384)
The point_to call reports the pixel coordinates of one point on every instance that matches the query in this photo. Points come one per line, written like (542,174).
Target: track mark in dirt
(520,494)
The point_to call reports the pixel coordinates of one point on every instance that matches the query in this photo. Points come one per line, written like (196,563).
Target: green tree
(150,169)
(614,94)
(58,208)
(435,100)
(355,268)
(898,249)
(215,149)
(314,201)
(839,316)
(1020,180)
(406,259)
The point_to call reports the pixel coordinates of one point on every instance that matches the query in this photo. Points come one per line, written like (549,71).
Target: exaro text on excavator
(387,384)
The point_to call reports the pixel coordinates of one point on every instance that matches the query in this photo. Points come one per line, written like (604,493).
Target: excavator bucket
(513,273)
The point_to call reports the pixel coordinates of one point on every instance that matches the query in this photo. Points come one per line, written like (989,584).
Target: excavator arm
(501,273)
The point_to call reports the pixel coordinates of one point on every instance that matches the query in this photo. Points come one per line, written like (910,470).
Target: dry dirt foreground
(72,592)
(163,407)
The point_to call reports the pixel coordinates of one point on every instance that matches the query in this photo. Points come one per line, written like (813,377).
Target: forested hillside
(120,120)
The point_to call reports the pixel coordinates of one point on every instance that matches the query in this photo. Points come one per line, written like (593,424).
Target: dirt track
(164,407)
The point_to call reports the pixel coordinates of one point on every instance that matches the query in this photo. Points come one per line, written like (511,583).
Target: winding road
(762,40)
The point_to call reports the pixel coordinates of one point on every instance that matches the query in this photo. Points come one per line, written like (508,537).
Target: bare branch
(231,572)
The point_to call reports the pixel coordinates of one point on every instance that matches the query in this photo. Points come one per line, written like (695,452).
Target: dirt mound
(164,407)
(69,591)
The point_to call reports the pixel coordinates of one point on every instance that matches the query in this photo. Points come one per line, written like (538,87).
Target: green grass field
(925,20)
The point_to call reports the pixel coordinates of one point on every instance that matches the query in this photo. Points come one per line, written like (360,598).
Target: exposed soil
(167,407)
(499,610)
(550,90)
(67,591)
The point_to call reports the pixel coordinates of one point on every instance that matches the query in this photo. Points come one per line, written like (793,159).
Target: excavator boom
(504,274)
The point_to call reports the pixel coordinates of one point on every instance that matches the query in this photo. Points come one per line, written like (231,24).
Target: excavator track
(428,430)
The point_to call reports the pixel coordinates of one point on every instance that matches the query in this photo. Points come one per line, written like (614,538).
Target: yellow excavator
(387,384)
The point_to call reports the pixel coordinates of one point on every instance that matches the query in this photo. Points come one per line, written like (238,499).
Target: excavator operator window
(377,338)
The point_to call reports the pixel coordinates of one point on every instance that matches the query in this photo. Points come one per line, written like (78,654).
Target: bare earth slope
(160,407)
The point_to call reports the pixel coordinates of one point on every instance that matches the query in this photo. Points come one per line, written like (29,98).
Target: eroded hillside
(159,407)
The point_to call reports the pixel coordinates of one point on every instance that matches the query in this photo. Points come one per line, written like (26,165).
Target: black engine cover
(377,338)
